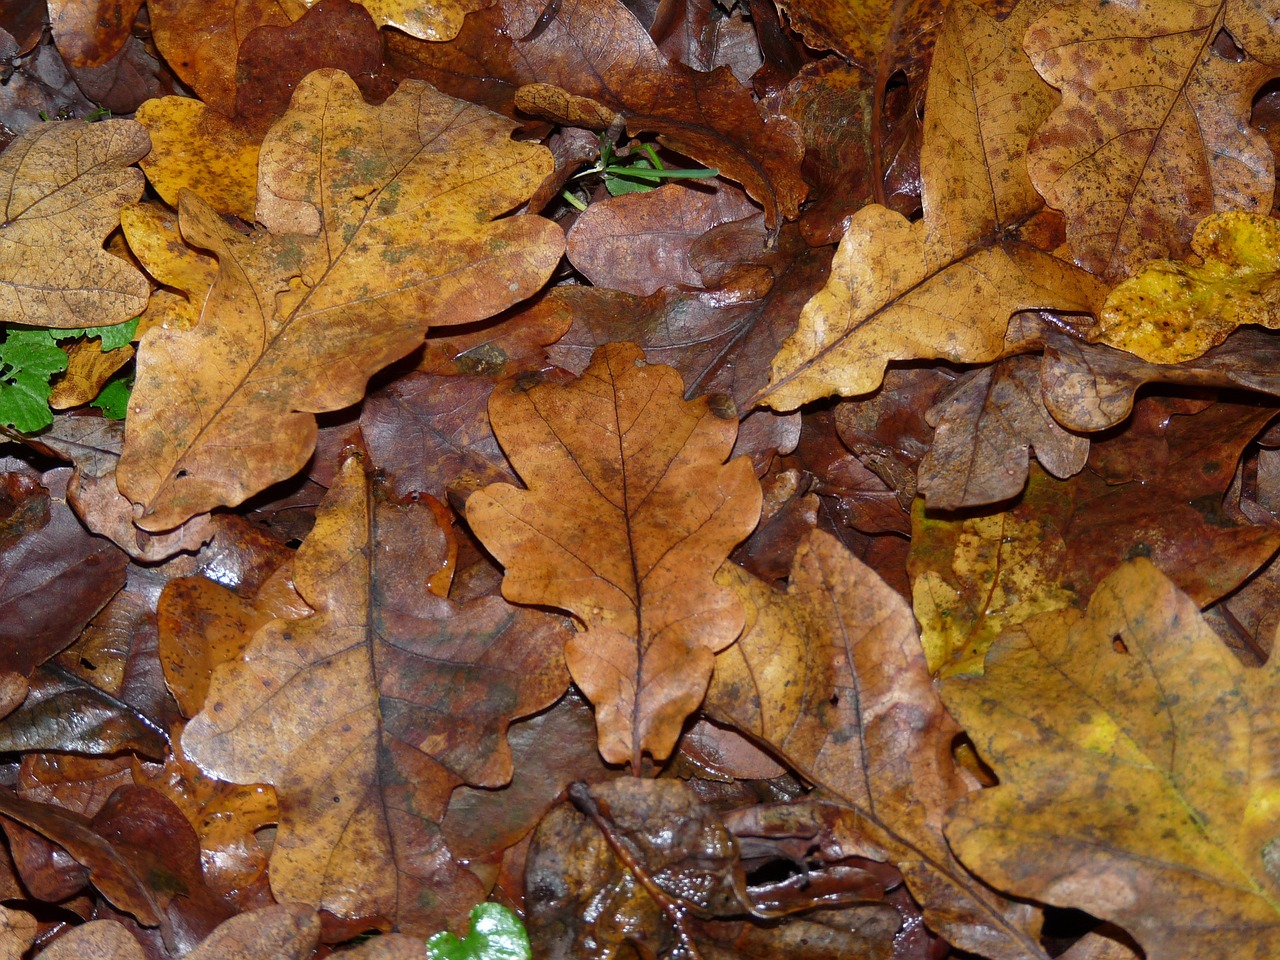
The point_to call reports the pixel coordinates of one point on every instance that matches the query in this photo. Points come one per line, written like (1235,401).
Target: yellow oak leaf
(630,509)
(1171,312)
(379,222)
(63,185)
(1139,771)
(946,285)
(195,146)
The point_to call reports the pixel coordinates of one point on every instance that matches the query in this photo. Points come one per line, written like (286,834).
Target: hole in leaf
(1225,47)
(1118,644)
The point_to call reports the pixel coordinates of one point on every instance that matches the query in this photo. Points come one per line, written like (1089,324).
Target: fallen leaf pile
(508,478)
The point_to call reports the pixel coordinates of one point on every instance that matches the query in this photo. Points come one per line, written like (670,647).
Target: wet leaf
(946,285)
(629,511)
(1172,312)
(64,184)
(367,713)
(1135,706)
(833,676)
(1153,130)
(356,291)
(89,32)
(640,242)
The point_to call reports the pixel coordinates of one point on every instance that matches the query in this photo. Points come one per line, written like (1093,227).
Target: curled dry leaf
(597,49)
(946,285)
(367,713)
(987,425)
(629,511)
(63,186)
(1153,131)
(1138,770)
(1172,312)
(373,238)
(832,675)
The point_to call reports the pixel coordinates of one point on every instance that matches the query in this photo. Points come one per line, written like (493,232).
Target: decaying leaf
(63,186)
(1138,770)
(946,285)
(629,510)
(1172,312)
(1153,131)
(366,714)
(373,238)
(832,675)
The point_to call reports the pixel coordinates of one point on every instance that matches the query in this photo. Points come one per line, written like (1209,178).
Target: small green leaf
(113,399)
(496,934)
(28,358)
(116,335)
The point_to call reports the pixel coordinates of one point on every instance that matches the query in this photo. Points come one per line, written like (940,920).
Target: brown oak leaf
(629,511)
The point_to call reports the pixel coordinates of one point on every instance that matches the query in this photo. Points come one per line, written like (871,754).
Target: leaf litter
(800,559)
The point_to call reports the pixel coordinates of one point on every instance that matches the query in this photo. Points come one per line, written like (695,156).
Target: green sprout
(643,173)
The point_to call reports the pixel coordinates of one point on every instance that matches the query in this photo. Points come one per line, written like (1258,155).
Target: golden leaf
(63,186)
(382,222)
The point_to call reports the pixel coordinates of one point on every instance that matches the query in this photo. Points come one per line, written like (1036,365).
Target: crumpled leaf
(629,511)
(63,186)
(946,285)
(347,282)
(1159,811)
(832,675)
(1153,131)
(987,425)
(640,242)
(366,714)
(1092,387)
(1171,312)
(597,49)
(974,577)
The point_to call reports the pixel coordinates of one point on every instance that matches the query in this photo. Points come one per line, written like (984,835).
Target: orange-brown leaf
(629,511)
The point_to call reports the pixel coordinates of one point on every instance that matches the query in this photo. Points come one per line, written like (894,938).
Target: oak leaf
(629,511)
(1170,312)
(367,713)
(946,285)
(832,675)
(1153,130)
(63,186)
(987,425)
(1159,810)
(372,238)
